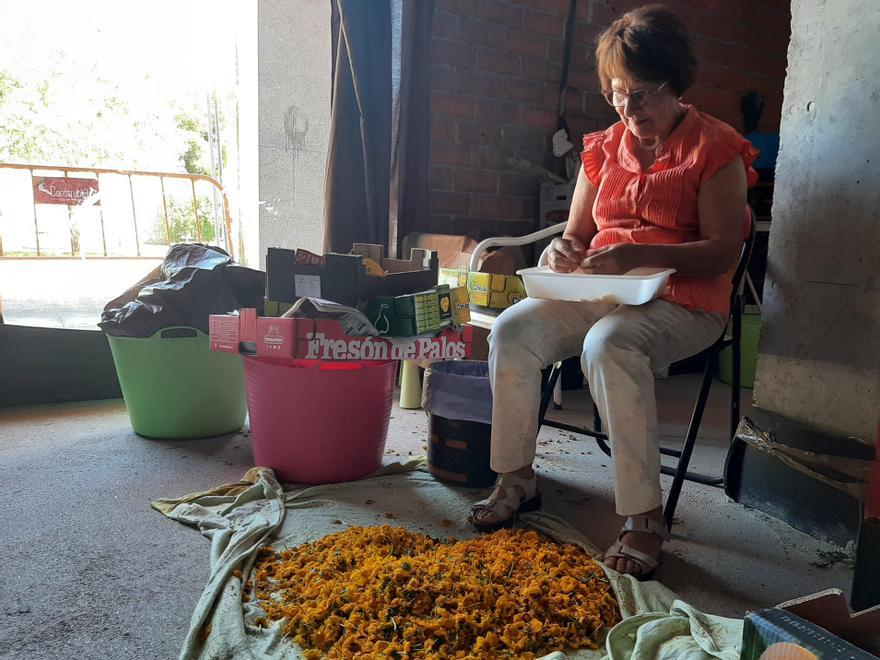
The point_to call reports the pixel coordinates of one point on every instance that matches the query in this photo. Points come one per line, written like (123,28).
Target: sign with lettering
(69,191)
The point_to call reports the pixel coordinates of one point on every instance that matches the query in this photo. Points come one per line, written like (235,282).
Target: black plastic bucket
(458,452)
(458,400)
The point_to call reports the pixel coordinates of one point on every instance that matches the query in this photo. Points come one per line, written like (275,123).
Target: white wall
(245,202)
(819,361)
(294,113)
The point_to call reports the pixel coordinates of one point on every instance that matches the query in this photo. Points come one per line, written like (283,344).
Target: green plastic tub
(175,387)
(751,335)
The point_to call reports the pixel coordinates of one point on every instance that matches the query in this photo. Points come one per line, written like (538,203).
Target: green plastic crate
(175,387)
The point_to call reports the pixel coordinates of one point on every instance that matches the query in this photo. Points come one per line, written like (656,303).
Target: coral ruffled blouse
(659,204)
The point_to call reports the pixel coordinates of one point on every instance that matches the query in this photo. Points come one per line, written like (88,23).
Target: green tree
(182,222)
(99,131)
(55,109)
(193,157)
(181,215)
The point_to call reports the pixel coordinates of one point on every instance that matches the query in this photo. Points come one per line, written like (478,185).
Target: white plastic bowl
(636,287)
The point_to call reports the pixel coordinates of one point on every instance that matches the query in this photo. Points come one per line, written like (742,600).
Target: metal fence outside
(124,214)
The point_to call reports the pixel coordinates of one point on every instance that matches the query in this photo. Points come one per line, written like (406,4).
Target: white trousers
(621,347)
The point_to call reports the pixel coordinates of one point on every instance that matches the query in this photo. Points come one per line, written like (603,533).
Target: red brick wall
(495,73)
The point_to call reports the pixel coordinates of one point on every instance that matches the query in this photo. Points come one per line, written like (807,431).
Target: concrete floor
(89,570)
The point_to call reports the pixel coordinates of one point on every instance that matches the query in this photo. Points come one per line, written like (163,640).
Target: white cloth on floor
(239,518)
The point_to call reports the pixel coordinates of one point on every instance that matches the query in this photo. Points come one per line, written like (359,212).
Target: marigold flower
(387,592)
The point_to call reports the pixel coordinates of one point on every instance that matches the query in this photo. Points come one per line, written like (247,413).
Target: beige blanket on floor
(241,517)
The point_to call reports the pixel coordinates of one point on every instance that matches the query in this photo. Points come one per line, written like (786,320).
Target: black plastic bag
(193,282)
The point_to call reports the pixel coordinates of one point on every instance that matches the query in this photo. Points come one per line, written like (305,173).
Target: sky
(185,44)
(162,55)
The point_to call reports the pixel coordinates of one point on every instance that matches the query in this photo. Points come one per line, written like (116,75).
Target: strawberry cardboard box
(325,339)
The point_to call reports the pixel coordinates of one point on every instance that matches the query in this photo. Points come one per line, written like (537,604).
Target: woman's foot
(513,492)
(638,545)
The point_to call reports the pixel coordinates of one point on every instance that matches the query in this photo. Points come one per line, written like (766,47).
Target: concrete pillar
(294,111)
(819,361)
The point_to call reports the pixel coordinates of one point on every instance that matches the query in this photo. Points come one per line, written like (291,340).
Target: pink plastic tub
(317,422)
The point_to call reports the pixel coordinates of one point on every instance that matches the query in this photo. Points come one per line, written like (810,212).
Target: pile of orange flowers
(387,592)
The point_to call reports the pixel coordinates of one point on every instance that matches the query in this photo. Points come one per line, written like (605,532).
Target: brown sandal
(510,495)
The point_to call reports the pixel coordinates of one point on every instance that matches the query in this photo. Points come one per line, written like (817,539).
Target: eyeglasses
(644,98)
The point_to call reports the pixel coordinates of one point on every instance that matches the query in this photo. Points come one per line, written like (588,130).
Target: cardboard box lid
(828,609)
(455,251)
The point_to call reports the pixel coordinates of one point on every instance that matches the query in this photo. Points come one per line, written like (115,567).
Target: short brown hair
(651,43)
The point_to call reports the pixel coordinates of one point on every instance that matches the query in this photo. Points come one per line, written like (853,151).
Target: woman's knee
(605,342)
(517,326)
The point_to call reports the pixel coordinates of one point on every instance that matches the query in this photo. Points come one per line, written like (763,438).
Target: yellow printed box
(494,291)
(461,312)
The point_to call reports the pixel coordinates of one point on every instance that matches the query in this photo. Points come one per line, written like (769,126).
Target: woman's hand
(565,254)
(611,260)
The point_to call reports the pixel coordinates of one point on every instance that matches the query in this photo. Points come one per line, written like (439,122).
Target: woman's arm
(580,217)
(721,203)
(565,253)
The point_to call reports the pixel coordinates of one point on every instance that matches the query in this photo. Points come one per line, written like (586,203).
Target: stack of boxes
(418,313)
(399,297)
(343,278)
(485,290)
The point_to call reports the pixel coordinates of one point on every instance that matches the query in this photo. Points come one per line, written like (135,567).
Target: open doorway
(124,133)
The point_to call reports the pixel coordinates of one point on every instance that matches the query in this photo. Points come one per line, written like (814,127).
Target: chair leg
(736,353)
(689,442)
(557,395)
(547,394)
(601,439)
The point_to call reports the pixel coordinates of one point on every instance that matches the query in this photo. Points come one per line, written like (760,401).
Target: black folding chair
(680,471)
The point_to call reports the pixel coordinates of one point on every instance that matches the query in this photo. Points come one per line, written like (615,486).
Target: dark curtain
(411,153)
(357,182)
(376,187)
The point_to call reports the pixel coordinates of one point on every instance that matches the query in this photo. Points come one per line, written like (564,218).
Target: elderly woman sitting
(665,187)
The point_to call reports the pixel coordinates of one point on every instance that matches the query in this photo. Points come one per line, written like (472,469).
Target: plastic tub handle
(178,332)
(340,366)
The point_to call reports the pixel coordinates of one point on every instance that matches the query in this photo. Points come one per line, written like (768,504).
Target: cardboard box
(454,251)
(453,277)
(417,313)
(461,312)
(555,203)
(479,343)
(496,285)
(343,278)
(275,308)
(815,626)
(324,339)
(494,291)
(453,305)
